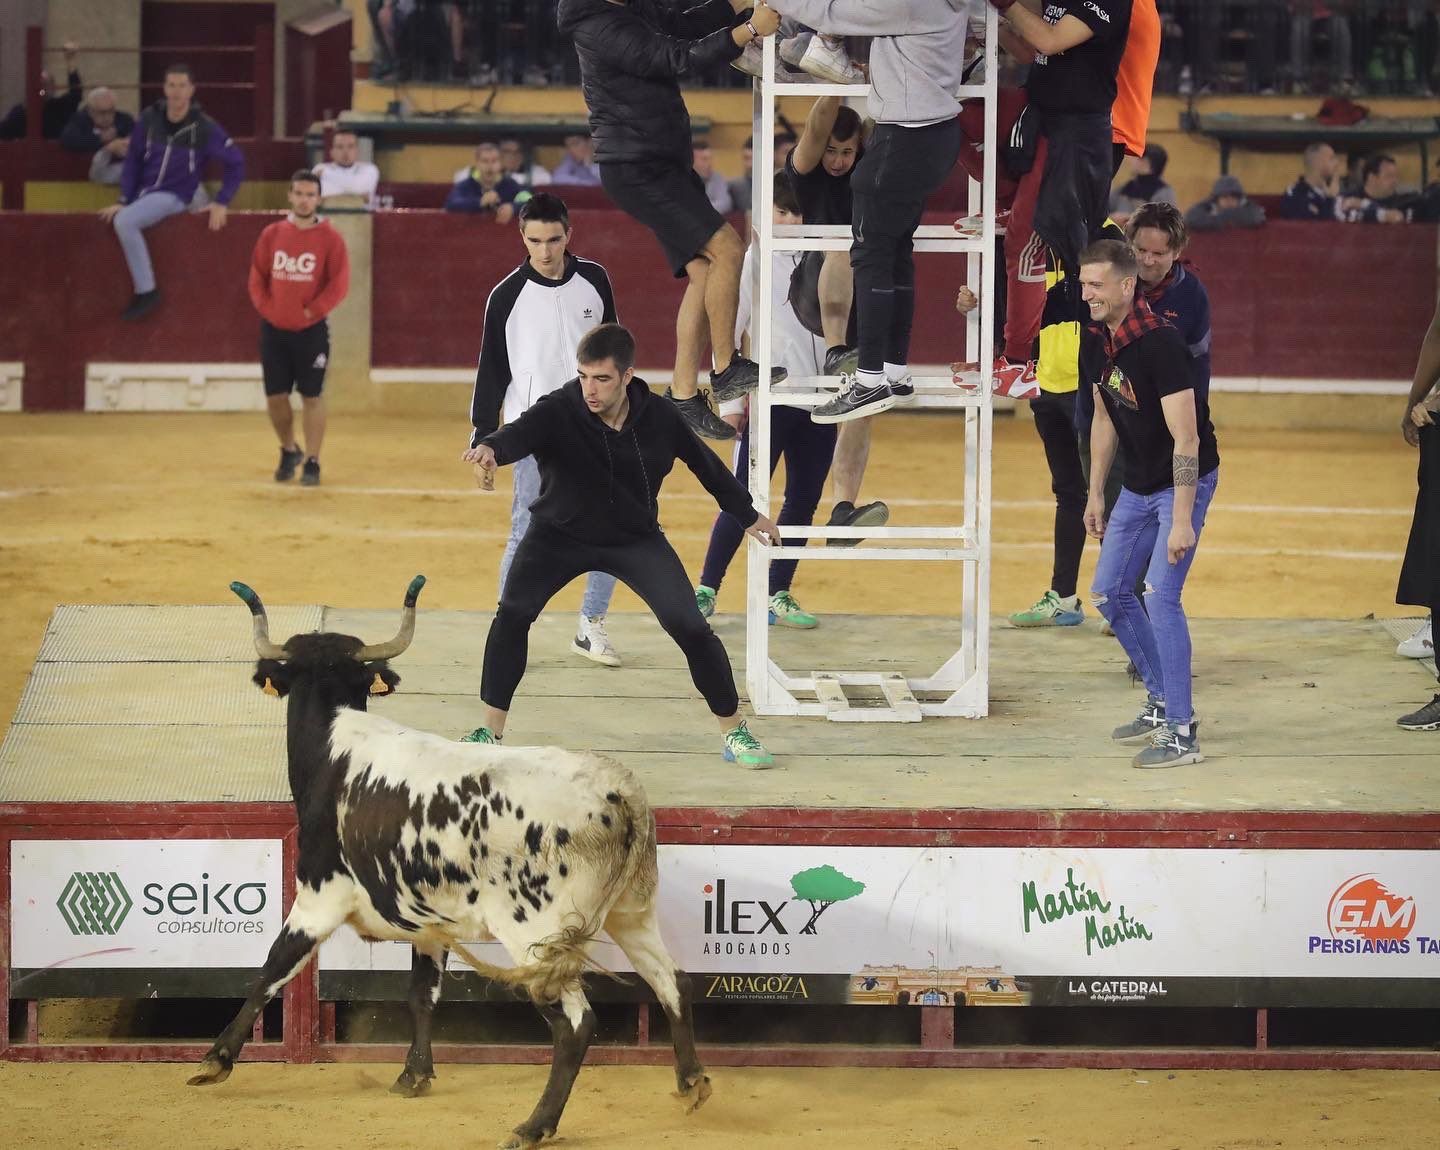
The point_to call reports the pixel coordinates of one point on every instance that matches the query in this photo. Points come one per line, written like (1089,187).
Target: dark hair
(1117,253)
(305,176)
(344,131)
(847,123)
(545,208)
(1374,163)
(700,144)
(180,70)
(608,341)
(1158,158)
(1163,217)
(786,136)
(784,195)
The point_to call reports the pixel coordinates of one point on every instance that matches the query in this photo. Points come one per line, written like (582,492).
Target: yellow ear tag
(269,687)
(379,686)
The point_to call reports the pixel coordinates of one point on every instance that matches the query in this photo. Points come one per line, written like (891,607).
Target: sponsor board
(149,904)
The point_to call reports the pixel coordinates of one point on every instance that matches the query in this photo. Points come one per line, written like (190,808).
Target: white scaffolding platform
(960,686)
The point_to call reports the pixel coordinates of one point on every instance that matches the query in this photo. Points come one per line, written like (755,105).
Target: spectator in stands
(101,131)
(741,191)
(1146,186)
(717,190)
(299,274)
(1313,196)
(347,181)
(632,58)
(1306,18)
(785,141)
(806,447)
(172,142)
(486,188)
(578,167)
(57,108)
(518,168)
(1378,202)
(1420,572)
(1227,207)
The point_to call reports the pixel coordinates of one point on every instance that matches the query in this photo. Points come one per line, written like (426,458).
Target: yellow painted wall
(81,196)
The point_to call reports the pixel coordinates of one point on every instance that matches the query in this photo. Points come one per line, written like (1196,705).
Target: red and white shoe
(1014,380)
(971,227)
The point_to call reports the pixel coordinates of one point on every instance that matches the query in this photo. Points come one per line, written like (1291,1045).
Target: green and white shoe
(481,735)
(1050,611)
(705,600)
(785,612)
(744,748)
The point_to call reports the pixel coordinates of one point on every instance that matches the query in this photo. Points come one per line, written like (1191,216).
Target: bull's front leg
(572,1025)
(427,967)
(287,955)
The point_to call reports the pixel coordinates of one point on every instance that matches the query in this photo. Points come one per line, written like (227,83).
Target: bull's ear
(272,677)
(385,680)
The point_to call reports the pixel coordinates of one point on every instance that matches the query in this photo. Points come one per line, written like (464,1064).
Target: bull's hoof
(522,1138)
(694,1092)
(212,1072)
(411,1085)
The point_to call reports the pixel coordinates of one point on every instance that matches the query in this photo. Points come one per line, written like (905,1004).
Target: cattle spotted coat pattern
(404,835)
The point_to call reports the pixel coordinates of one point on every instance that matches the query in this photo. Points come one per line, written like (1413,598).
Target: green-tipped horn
(407,628)
(263,645)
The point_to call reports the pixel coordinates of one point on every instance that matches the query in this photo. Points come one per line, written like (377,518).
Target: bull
(405,835)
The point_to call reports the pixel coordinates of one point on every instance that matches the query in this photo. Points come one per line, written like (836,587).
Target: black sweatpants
(1420,572)
(547,559)
(1074,195)
(1054,415)
(900,170)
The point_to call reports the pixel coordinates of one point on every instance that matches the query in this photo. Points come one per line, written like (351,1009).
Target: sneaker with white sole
(1051,610)
(792,49)
(826,59)
(1014,380)
(695,410)
(1147,722)
(1427,718)
(972,227)
(744,748)
(1420,645)
(902,389)
(705,600)
(751,61)
(856,400)
(593,641)
(785,612)
(1169,748)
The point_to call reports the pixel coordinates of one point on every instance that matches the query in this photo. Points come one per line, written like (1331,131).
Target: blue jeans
(1136,538)
(599,587)
(130,225)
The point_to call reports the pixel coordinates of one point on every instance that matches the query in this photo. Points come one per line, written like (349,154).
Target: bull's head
(348,667)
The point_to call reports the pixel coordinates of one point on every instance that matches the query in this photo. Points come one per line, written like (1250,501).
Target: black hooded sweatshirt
(600,485)
(632,59)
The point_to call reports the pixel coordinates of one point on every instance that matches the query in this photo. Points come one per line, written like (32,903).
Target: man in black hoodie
(604,445)
(633,54)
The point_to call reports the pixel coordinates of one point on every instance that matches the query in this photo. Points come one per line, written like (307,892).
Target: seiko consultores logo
(94,902)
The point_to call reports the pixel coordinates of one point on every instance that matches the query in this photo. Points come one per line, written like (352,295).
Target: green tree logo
(822,887)
(94,902)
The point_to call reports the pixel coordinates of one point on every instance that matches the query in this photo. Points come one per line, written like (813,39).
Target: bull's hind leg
(637,932)
(314,918)
(427,967)
(572,1025)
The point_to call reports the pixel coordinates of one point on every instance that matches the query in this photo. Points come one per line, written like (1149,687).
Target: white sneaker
(751,61)
(1420,645)
(792,50)
(593,641)
(825,59)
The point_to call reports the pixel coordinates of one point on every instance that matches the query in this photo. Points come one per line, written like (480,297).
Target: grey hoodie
(917,55)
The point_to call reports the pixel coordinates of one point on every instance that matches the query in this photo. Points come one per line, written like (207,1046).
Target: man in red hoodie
(299,274)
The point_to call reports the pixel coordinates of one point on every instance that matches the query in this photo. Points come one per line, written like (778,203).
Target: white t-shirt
(792,344)
(359,179)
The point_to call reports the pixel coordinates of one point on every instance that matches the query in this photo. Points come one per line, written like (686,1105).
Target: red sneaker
(1014,380)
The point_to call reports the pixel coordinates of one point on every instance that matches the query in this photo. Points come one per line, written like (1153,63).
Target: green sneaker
(1050,611)
(785,612)
(705,600)
(744,748)
(481,735)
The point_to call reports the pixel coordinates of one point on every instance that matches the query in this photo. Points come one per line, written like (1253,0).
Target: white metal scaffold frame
(960,687)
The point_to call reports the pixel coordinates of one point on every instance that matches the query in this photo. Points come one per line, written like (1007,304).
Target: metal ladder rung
(830,690)
(820,88)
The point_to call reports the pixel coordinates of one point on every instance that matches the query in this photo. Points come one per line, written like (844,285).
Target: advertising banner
(181,904)
(1041,926)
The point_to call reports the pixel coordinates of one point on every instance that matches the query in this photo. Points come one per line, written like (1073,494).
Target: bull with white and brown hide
(408,836)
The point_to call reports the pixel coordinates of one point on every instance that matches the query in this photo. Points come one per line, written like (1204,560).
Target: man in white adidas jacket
(534,321)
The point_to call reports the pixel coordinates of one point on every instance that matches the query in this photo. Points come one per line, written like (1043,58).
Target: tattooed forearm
(1186,469)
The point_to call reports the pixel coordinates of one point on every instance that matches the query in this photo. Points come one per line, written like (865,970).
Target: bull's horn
(407,628)
(263,645)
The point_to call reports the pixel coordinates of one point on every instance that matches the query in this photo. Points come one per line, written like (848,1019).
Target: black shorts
(294,360)
(668,199)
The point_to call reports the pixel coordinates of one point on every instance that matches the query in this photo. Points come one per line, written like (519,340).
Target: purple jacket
(163,161)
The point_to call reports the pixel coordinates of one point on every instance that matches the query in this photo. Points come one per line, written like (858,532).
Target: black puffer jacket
(632,59)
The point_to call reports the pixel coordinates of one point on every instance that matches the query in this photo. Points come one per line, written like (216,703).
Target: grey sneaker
(846,514)
(290,459)
(1169,748)
(740,375)
(1150,719)
(855,401)
(696,412)
(1427,718)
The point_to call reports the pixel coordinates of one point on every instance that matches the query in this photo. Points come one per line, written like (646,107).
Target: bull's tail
(556,962)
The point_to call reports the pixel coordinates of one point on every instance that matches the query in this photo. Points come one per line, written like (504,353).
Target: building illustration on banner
(912,986)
